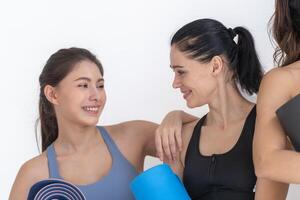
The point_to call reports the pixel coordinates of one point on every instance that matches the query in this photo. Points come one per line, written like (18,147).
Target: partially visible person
(274,159)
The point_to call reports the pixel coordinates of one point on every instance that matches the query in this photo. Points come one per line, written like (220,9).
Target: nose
(94,94)
(176,82)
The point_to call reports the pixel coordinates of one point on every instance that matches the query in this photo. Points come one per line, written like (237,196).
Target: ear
(217,65)
(51,94)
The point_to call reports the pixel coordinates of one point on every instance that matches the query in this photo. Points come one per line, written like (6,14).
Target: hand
(168,136)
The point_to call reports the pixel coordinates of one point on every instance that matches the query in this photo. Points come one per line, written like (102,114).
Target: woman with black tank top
(273,157)
(210,63)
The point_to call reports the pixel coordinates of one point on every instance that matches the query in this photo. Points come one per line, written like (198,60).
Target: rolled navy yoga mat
(158,183)
(289,117)
(54,189)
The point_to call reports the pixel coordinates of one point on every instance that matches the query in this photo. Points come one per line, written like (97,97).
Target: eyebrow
(88,79)
(176,66)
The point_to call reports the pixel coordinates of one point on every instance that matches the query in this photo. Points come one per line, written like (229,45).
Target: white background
(131,38)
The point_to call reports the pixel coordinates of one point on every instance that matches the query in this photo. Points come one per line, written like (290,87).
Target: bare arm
(186,117)
(20,187)
(177,164)
(32,171)
(172,123)
(142,134)
(168,137)
(270,190)
(272,159)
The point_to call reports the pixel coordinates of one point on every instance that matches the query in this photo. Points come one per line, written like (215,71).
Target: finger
(159,148)
(172,144)
(178,136)
(166,146)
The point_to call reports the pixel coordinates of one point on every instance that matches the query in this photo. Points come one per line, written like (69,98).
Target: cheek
(103,97)
(71,98)
(205,86)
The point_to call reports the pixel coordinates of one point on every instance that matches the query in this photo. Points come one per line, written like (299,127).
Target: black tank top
(228,176)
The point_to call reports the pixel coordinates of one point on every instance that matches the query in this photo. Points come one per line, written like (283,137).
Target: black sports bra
(228,176)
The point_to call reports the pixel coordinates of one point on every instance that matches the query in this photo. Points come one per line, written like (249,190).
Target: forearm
(279,165)
(186,118)
(149,132)
(270,190)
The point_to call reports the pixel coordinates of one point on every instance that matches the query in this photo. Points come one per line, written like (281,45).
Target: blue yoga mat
(54,189)
(158,183)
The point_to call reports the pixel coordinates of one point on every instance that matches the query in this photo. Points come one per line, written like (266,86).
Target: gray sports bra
(113,186)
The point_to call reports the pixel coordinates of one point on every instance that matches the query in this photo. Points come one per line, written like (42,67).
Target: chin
(89,122)
(190,104)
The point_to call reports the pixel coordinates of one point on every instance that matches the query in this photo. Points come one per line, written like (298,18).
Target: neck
(73,137)
(227,105)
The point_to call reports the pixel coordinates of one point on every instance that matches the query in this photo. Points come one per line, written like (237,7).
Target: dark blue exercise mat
(158,183)
(289,117)
(54,189)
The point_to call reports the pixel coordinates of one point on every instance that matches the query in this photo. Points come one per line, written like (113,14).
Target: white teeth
(91,108)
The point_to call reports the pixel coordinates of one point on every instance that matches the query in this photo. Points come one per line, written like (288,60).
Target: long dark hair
(205,38)
(58,66)
(286,31)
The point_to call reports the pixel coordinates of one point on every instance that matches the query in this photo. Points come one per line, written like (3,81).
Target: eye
(83,85)
(100,86)
(180,72)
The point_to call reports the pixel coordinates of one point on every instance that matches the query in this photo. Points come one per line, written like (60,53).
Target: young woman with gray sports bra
(101,161)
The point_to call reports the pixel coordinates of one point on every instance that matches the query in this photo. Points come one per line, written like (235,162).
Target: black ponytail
(248,68)
(205,38)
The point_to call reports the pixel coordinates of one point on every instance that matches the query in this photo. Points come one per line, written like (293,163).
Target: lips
(91,109)
(186,93)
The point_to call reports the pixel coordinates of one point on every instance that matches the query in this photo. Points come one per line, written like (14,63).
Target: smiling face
(195,80)
(80,97)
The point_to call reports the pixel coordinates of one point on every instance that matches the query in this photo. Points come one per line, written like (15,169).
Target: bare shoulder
(30,172)
(280,76)
(130,129)
(275,89)
(35,168)
(294,70)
